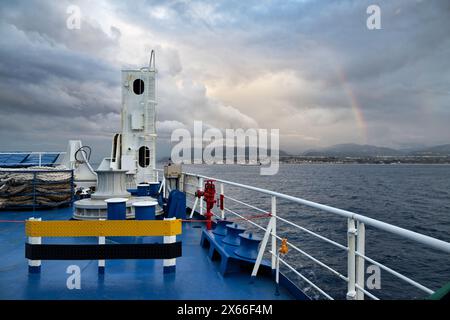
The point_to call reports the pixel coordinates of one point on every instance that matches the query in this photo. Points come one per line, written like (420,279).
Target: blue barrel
(143,189)
(145,210)
(232,237)
(153,189)
(117,208)
(220,228)
(248,248)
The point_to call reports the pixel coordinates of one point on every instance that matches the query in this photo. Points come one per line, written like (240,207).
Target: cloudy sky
(310,68)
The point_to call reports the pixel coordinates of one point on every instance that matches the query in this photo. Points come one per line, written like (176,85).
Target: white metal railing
(39,156)
(355,247)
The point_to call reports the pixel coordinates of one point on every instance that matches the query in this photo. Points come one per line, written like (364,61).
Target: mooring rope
(12,221)
(254,217)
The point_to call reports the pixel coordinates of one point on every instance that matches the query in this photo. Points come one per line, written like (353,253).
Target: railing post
(169,265)
(193,207)
(40,159)
(72,188)
(161,187)
(277,276)
(200,187)
(164,187)
(222,196)
(101,263)
(34,266)
(351,268)
(274,231)
(262,247)
(360,247)
(34,190)
(181,182)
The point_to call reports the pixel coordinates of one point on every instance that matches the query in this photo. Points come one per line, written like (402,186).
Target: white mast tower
(134,149)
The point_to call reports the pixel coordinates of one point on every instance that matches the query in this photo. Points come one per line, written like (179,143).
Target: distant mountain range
(441,150)
(351,150)
(245,152)
(357,150)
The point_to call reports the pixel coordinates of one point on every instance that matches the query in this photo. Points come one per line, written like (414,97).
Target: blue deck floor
(196,277)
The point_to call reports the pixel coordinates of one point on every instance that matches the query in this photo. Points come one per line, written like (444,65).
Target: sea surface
(416,197)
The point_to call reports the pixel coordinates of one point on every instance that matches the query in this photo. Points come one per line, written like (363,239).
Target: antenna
(151,63)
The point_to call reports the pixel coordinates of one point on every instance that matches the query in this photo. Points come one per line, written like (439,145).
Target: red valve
(209,196)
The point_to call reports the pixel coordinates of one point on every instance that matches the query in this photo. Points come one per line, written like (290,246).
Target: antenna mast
(151,63)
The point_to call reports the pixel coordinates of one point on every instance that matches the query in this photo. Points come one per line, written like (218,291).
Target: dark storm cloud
(38,77)
(47,19)
(54,84)
(46,68)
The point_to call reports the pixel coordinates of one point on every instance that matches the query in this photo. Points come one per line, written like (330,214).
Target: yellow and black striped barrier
(36,251)
(102,251)
(103,228)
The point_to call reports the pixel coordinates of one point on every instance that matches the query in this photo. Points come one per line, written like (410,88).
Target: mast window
(144,157)
(138,86)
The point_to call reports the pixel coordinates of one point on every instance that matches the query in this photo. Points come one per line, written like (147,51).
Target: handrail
(290,223)
(391,271)
(293,246)
(39,160)
(355,274)
(423,239)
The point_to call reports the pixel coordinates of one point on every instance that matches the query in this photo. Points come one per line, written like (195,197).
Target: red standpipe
(209,196)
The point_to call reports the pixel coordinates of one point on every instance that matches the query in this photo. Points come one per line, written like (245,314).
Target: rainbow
(354,103)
